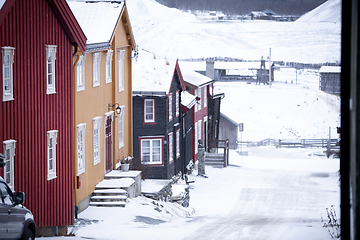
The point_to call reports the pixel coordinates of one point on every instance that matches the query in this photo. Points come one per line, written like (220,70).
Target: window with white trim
(171,150)
(196,137)
(9,154)
(199,129)
(80,136)
(205,97)
(121,55)
(8,73)
(50,68)
(197,103)
(96,139)
(149,110)
(200,96)
(170,106)
(177,103)
(108,67)
(178,143)
(96,69)
(80,74)
(121,126)
(151,150)
(51,154)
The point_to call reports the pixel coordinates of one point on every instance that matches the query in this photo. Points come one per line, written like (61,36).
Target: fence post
(201,158)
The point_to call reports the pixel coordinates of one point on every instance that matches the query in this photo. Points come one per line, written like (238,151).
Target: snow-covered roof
(97,19)
(187,99)
(192,77)
(330,69)
(2,3)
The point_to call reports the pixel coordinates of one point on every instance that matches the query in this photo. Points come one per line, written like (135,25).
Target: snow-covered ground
(273,193)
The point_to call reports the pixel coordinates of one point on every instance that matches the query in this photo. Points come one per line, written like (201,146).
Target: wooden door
(108,145)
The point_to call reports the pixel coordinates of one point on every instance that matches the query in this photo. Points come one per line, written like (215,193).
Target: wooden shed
(228,130)
(330,79)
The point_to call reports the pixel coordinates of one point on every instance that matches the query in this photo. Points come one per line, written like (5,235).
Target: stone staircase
(214,160)
(116,188)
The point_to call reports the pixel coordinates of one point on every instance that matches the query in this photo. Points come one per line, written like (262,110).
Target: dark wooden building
(162,125)
(228,129)
(37,39)
(330,79)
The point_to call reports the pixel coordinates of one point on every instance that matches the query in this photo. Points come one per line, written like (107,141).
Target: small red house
(37,41)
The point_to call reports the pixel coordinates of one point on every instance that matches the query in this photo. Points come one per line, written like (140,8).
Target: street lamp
(117,108)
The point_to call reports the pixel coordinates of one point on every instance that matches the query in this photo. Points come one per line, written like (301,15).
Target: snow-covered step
(110,198)
(122,183)
(108,204)
(104,192)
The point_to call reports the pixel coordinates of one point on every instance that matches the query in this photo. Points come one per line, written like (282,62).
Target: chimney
(210,68)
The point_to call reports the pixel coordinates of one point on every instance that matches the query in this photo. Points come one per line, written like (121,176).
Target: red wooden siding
(29,26)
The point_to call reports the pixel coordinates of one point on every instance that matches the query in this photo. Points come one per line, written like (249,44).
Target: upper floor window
(50,68)
(80,148)
(121,127)
(51,154)
(108,69)
(197,103)
(96,69)
(9,154)
(177,143)
(96,139)
(8,73)
(80,74)
(149,110)
(205,97)
(170,106)
(171,150)
(177,100)
(121,56)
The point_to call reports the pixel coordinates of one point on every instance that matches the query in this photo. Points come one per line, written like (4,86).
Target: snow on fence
(292,143)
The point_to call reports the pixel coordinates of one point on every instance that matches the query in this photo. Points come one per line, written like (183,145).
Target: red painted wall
(29,26)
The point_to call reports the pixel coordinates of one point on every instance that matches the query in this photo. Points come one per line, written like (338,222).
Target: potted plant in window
(125,164)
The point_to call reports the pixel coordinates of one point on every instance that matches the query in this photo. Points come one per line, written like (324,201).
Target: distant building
(228,130)
(330,79)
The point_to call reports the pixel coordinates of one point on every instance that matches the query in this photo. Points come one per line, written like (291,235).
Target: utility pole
(270,68)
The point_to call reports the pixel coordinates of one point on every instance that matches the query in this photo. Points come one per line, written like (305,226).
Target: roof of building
(99,18)
(330,69)
(193,78)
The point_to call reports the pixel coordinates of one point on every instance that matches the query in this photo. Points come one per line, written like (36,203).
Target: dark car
(16,221)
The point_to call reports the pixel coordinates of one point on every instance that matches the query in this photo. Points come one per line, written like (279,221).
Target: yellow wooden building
(102,94)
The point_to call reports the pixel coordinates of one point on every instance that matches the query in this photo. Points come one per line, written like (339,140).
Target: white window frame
(108,68)
(80,142)
(9,178)
(177,143)
(96,140)
(151,153)
(80,74)
(121,126)
(151,112)
(177,100)
(171,147)
(96,68)
(200,96)
(199,129)
(205,97)
(50,72)
(196,137)
(197,103)
(8,94)
(51,154)
(170,106)
(121,55)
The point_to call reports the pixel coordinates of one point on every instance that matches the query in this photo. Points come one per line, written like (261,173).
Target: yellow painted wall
(93,102)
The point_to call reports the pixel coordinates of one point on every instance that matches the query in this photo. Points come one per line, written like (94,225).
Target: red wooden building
(37,40)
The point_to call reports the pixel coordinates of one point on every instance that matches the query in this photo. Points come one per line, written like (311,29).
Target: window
(80,148)
(171,150)
(108,69)
(8,73)
(178,143)
(6,195)
(96,139)
(96,69)
(197,103)
(196,137)
(170,106)
(9,152)
(121,127)
(149,110)
(51,154)
(80,74)
(177,103)
(205,97)
(151,150)
(121,54)
(200,96)
(50,69)
(199,129)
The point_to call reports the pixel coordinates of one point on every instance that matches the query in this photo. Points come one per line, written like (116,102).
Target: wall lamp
(117,108)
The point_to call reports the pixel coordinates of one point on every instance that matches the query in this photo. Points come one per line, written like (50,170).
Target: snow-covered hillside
(293,107)
(175,34)
(329,11)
